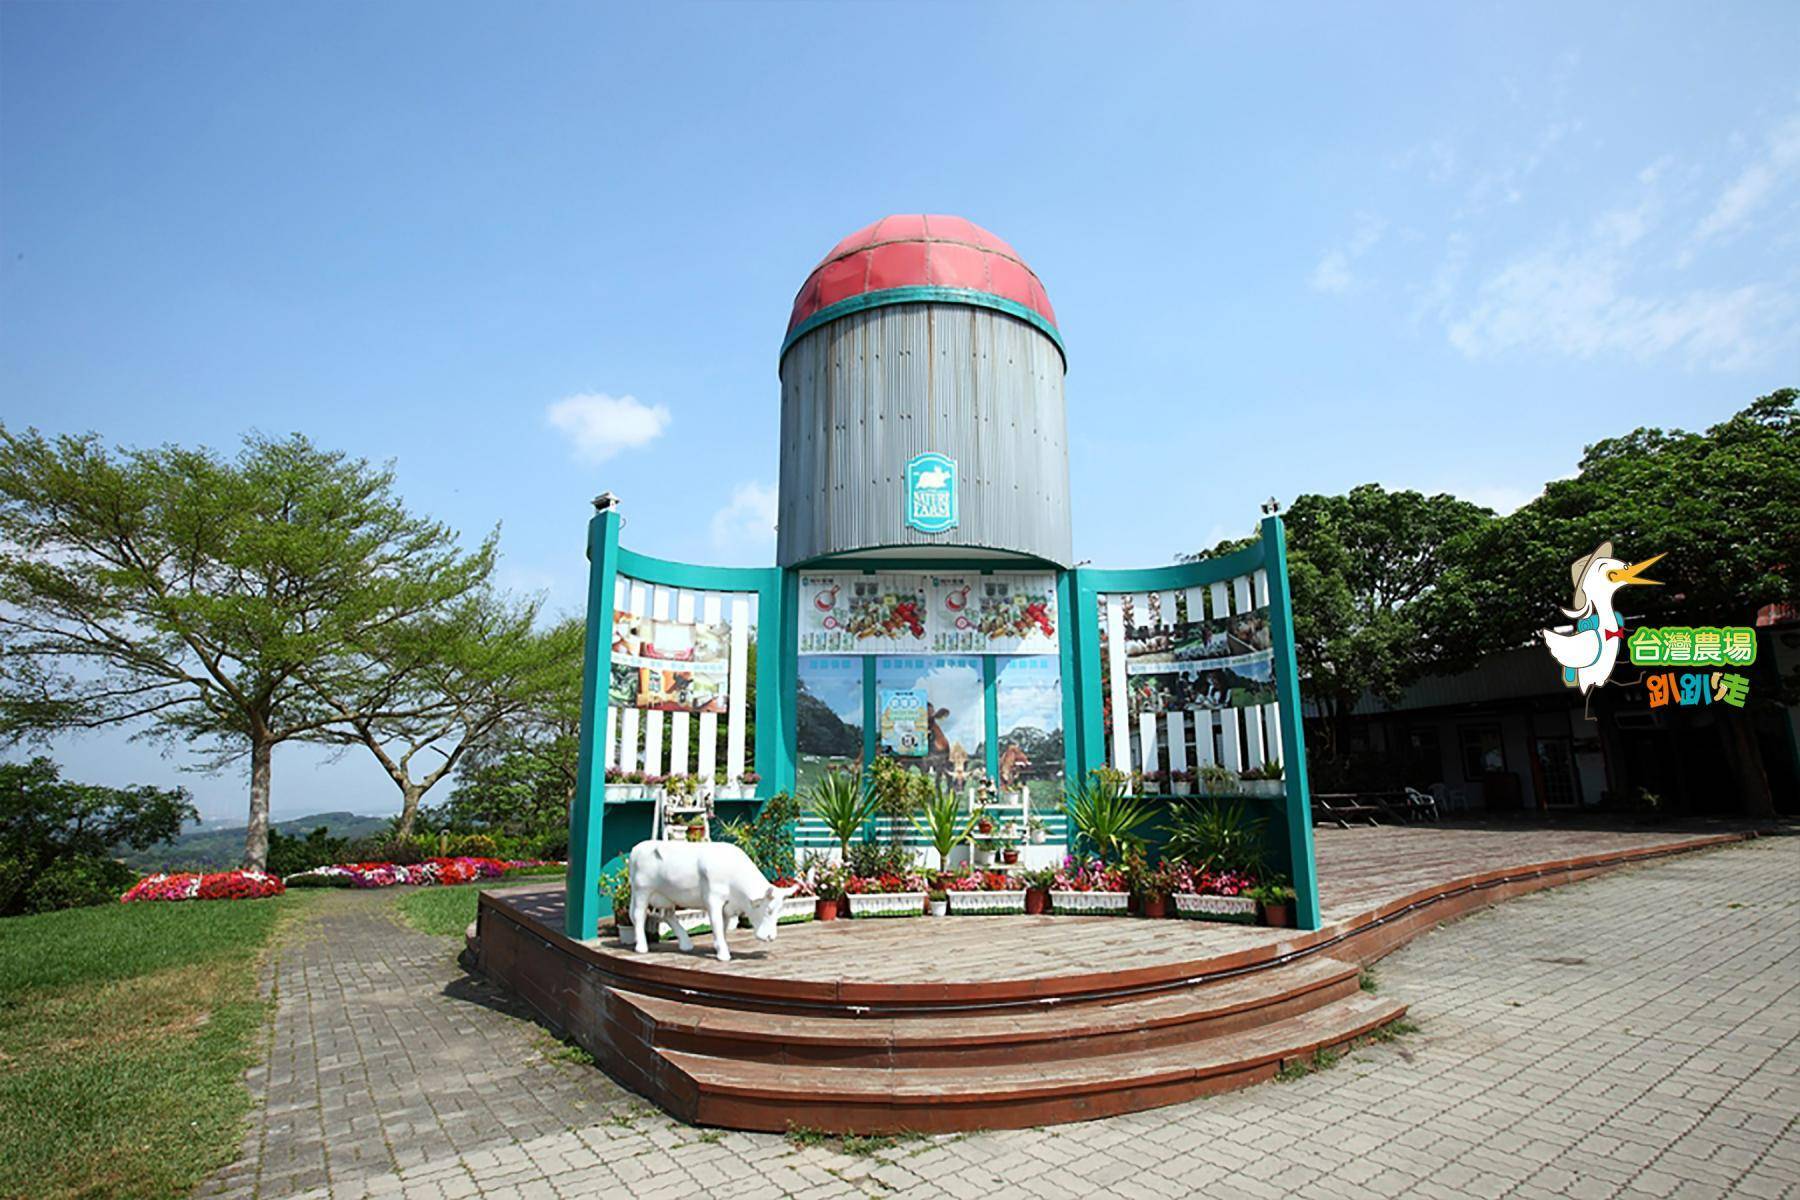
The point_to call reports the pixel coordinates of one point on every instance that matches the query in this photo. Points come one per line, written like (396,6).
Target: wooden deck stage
(959,1023)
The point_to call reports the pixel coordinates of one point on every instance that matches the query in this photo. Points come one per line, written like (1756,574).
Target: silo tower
(922,403)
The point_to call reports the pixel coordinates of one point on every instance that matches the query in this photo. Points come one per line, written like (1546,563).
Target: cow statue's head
(765,912)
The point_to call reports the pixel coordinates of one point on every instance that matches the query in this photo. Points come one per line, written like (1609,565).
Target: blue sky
(531,252)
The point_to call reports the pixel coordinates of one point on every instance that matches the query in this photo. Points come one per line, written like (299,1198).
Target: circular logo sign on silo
(931,493)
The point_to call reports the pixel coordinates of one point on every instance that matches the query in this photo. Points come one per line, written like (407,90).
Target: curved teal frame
(1269,552)
(777,591)
(773,753)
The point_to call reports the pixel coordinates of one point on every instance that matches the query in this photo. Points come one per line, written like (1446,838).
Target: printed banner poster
(1225,662)
(898,613)
(905,721)
(669,666)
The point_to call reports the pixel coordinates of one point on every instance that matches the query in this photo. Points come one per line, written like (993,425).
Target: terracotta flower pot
(1037,901)
(1009,857)
(1154,907)
(825,910)
(1280,916)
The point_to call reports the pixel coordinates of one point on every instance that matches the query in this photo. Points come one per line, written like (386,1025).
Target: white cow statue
(715,877)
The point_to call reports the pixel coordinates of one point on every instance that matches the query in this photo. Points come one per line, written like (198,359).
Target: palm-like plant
(1217,835)
(843,803)
(942,820)
(1105,816)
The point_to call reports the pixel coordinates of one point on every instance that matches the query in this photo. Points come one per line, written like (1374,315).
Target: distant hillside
(217,848)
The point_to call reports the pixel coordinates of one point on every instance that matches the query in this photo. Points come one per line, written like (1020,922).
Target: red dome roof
(920,257)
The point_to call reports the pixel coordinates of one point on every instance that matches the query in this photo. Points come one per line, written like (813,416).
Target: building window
(1482,751)
(937,713)
(828,715)
(1028,702)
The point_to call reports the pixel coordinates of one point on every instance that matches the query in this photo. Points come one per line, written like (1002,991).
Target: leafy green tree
(57,837)
(447,682)
(1371,573)
(1722,505)
(225,600)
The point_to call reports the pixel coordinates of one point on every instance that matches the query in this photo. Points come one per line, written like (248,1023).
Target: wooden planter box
(987,903)
(887,904)
(1089,904)
(1240,910)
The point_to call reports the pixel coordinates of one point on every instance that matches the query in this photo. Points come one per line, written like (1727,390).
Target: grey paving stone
(1632,1036)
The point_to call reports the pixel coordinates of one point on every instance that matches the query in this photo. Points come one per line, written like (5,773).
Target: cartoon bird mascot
(1588,649)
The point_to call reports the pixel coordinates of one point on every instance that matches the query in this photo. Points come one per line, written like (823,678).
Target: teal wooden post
(1093,692)
(990,674)
(777,683)
(1073,635)
(587,815)
(871,706)
(1293,727)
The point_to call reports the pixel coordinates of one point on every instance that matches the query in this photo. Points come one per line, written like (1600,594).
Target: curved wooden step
(746,1094)
(1051,1031)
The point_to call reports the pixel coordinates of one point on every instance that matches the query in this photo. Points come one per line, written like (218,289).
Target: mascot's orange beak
(1630,574)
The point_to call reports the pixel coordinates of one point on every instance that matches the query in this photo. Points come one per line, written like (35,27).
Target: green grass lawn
(125,1031)
(447,911)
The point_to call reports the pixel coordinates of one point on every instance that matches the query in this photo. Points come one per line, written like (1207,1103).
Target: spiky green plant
(1220,835)
(942,820)
(843,803)
(1105,816)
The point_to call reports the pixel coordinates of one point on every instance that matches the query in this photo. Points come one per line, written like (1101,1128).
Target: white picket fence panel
(1185,740)
(659,743)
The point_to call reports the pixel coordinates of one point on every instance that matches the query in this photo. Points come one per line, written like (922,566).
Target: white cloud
(1333,274)
(600,426)
(1756,183)
(1576,303)
(747,522)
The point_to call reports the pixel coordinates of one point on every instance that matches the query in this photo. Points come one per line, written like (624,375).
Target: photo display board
(669,666)
(1224,662)
(905,613)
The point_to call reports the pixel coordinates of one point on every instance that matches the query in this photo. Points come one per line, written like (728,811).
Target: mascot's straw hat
(1576,572)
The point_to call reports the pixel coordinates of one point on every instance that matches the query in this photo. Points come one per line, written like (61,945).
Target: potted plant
(986,893)
(982,853)
(696,831)
(1090,888)
(984,824)
(1262,781)
(1037,889)
(1214,780)
(1037,831)
(1181,782)
(939,900)
(1009,851)
(1277,900)
(828,891)
(621,903)
(634,785)
(1150,886)
(843,804)
(747,785)
(615,785)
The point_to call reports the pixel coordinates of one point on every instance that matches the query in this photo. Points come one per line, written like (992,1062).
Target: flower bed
(1239,910)
(886,904)
(985,903)
(433,871)
(1202,895)
(886,895)
(1088,904)
(798,906)
(221,885)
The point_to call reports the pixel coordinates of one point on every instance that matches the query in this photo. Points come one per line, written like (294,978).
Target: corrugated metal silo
(922,335)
